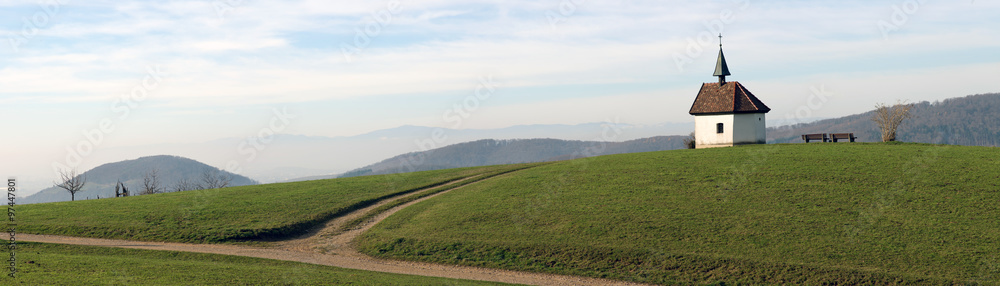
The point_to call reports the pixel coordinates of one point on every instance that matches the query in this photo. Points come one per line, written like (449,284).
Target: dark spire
(721,68)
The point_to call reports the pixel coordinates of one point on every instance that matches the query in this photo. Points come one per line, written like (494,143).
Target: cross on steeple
(721,68)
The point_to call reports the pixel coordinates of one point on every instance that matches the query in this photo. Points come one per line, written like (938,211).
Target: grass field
(237,214)
(487,174)
(51,264)
(849,214)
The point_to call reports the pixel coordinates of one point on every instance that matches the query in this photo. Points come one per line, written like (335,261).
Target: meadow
(246,214)
(858,213)
(845,213)
(53,264)
(488,174)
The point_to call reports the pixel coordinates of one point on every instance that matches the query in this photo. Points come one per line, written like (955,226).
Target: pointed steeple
(721,68)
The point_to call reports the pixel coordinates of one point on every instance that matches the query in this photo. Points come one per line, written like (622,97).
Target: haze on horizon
(144,73)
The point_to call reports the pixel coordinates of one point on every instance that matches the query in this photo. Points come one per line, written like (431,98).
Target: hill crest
(171,171)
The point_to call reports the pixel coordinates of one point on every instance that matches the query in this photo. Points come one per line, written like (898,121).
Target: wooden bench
(817,136)
(842,136)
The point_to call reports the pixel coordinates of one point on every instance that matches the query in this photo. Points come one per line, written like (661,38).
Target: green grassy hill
(773,214)
(246,213)
(862,213)
(171,170)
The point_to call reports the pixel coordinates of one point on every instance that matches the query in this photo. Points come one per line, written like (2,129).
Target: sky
(81,75)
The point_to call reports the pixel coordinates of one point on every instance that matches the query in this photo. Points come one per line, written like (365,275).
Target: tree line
(73,183)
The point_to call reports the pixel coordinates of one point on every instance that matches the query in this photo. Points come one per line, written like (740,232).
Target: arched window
(718,128)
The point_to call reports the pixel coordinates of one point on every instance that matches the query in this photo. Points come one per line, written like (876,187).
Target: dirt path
(327,245)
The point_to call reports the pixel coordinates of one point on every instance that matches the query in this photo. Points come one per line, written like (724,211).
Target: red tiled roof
(731,97)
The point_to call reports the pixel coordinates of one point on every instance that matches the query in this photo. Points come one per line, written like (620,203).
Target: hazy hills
(290,156)
(295,156)
(495,152)
(170,170)
(972,120)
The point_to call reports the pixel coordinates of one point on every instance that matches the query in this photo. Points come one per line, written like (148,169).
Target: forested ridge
(973,120)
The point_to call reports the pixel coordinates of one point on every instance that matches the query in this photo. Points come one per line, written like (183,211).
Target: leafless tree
(151,183)
(214,180)
(185,185)
(71,182)
(888,118)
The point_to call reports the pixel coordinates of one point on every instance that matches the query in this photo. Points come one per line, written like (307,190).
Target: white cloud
(288,52)
(599,41)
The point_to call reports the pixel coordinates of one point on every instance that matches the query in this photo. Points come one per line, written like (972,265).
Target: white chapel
(726,113)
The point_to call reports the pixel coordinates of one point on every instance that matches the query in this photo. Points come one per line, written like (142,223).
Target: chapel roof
(726,98)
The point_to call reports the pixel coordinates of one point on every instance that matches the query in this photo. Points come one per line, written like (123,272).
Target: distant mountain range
(295,156)
(496,152)
(972,120)
(170,171)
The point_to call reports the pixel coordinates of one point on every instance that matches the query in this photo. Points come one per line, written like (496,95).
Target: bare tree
(185,185)
(214,180)
(71,182)
(888,118)
(151,183)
